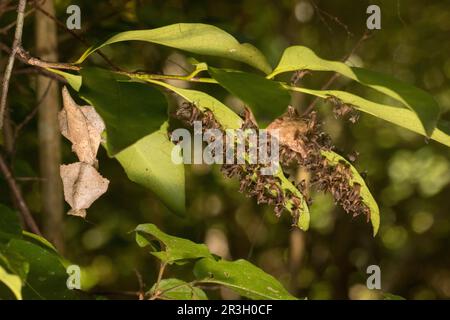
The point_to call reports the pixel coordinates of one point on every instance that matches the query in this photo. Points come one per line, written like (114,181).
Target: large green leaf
(174,249)
(334,158)
(423,104)
(396,115)
(9,224)
(267,98)
(130,110)
(47,276)
(242,277)
(148,162)
(196,38)
(176,289)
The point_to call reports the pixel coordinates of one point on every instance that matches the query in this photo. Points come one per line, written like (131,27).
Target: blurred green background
(408,176)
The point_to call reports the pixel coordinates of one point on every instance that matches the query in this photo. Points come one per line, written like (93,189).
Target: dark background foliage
(408,176)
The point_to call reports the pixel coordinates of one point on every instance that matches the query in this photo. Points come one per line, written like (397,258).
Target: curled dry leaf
(290,128)
(82,186)
(83,127)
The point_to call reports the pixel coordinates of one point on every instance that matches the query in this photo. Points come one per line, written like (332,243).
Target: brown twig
(28,59)
(29,179)
(18,197)
(160,274)
(141,284)
(39,64)
(8,134)
(332,18)
(156,292)
(10,65)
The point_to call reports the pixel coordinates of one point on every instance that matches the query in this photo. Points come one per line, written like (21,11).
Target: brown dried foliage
(302,140)
(265,188)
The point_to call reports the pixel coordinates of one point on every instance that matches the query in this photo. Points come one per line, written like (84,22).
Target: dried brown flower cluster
(302,141)
(267,189)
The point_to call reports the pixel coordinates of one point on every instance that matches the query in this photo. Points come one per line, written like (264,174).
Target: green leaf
(267,98)
(175,289)
(148,162)
(175,249)
(242,277)
(365,194)
(14,262)
(423,104)
(196,38)
(12,281)
(130,110)
(399,116)
(9,224)
(72,79)
(47,276)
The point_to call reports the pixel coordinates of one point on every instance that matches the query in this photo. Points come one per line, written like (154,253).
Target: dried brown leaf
(83,127)
(289,131)
(82,186)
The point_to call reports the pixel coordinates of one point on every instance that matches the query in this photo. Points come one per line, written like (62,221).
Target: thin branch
(28,59)
(141,284)
(160,274)
(18,197)
(9,67)
(147,76)
(25,179)
(156,292)
(34,69)
(332,18)
(8,134)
